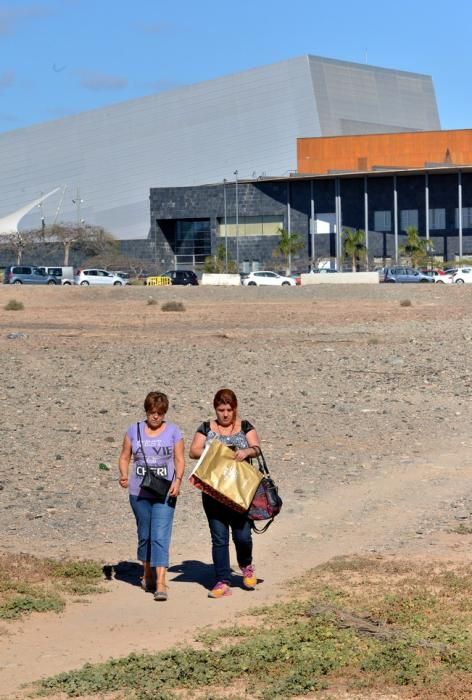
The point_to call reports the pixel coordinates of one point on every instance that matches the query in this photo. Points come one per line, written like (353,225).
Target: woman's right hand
(123,481)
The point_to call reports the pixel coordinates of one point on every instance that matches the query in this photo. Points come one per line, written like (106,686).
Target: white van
(64,274)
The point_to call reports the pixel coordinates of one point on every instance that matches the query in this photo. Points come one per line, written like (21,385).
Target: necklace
(219,427)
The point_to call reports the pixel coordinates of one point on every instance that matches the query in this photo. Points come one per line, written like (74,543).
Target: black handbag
(158,486)
(266,503)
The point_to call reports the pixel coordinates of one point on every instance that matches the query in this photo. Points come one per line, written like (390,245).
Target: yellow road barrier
(158,281)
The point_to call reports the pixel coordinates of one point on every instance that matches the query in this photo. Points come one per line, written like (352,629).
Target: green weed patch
(365,623)
(29,584)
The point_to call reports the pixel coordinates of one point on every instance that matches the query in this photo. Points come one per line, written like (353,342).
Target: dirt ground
(361,396)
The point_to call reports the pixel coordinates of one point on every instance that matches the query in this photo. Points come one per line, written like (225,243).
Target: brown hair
(157,402)
(225,396)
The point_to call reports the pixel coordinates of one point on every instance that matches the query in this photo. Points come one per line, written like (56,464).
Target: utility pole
(226,225)
(78,201)
(237,220)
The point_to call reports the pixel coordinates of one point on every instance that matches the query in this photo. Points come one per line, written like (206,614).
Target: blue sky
(61,57)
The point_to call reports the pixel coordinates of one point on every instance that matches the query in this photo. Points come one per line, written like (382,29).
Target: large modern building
(105,161)
(381,184)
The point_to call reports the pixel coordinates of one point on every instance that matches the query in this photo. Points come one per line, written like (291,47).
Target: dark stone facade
(291,200)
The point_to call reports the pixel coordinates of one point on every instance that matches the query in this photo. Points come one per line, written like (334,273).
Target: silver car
(27,274)
(400,273)
(98,277)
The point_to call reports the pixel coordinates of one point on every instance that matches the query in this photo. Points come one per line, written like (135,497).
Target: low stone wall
(340,278)
(221,279)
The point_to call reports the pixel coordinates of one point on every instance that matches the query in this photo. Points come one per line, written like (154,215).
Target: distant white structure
(247,122)
(9,223)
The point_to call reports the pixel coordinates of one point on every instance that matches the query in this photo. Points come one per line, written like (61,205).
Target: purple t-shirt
(159,451)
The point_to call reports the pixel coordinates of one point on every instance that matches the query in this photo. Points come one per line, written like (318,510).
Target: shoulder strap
(138,430)
(262,464)
(261,530)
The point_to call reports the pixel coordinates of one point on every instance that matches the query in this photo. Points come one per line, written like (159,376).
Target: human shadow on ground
(128,571)
(193,571)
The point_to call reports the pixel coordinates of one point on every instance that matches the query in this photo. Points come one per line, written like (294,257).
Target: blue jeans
(221,519)
(154,522)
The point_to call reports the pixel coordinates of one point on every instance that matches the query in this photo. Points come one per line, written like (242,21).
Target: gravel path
(360,400)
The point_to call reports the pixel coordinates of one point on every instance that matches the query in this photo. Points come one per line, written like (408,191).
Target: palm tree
(354,245)
(289,243)
(416,249)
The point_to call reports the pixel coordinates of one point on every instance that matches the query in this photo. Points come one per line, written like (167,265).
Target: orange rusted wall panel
(409,150)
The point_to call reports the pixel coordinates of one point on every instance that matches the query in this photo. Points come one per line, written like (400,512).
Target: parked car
(182,277)
(98,277)
(462,275)
(27,274)
(120,273)
(399,273)
(438,276)
(63,275)
(267,278)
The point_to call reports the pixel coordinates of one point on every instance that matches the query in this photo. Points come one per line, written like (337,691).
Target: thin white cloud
(153,28)
(161,85)
(96,81)
(7,79)
(9,118)
(11,16)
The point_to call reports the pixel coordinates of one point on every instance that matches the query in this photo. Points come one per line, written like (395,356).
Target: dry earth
(362,404)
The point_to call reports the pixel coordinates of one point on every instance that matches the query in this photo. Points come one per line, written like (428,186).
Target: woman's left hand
(242,454)
(175,488)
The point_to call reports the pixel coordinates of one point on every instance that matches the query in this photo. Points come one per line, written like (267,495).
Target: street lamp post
(78,201)
(237,219)
(226,225)
(43,219)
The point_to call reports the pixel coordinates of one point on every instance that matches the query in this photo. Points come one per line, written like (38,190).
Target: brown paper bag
(218,474)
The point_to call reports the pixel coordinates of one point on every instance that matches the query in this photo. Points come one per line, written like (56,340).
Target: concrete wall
(340,278)
(222,280)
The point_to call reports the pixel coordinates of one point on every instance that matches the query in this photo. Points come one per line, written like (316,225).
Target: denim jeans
(220,520)
(154,523)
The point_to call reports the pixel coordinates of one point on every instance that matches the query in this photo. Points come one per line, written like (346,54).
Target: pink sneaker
(219,590)
(249,577)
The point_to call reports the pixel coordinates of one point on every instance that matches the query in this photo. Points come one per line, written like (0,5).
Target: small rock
(17,336)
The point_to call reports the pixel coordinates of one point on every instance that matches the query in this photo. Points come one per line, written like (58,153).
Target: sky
(62,57)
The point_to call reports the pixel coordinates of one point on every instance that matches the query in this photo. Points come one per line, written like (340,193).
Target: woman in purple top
(159,445)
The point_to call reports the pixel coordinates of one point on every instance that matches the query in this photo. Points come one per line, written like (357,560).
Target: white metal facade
(202,133)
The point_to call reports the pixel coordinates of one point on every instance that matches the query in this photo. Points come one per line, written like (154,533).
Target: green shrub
(173,306)
(14,305)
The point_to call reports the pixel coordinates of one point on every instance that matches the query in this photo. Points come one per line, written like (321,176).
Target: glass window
(466,217)
(437,219)
(250,226)
(383,220)
(325,223)
(193,237)
(408,217)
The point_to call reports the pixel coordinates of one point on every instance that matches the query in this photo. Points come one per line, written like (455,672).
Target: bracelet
(179,478)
